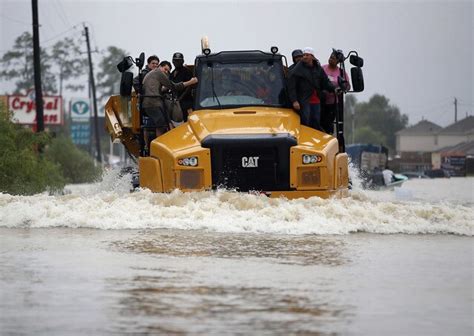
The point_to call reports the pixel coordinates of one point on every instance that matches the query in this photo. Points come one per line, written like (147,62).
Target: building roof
(424,127)
(464,126)
(461,149)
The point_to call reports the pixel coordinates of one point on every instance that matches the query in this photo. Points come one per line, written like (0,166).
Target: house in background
(457,159)
(414,146)
(461,131)
(427,146)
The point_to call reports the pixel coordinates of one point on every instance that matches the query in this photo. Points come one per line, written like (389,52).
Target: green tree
(382,117)
(22,170)
(368,135)
(17,65)
(109,77)
(70,62)
(375,120)
(350,102)
(76,165)
(62,64)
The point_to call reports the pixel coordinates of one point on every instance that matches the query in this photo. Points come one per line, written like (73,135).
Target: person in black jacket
(152,63)
(306,82)
(296,55)
(182,74)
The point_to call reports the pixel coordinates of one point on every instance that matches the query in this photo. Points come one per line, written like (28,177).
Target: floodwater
(100,261)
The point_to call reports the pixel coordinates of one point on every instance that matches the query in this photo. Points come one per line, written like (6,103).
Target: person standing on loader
(153,105)
(328,106)
(182,74)
(305,84)
(296,55)
(152,63)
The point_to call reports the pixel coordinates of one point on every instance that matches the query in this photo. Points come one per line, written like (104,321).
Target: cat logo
(250,162)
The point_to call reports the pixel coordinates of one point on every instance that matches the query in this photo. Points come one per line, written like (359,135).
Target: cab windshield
(225,85)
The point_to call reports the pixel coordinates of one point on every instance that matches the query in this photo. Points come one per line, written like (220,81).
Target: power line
(465,102)
(427,108)
(61,12)
(441,111)
(440,102)
(15,20)
(47,22)
(60,34)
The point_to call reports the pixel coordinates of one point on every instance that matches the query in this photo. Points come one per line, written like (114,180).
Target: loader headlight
(191,161)
(311,158)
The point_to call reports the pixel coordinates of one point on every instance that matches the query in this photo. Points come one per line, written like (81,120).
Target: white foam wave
(109,205)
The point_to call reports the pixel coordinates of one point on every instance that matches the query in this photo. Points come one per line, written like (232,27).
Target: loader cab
(233,79)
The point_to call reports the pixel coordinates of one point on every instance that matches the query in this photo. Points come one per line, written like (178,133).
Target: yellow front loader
(241,136)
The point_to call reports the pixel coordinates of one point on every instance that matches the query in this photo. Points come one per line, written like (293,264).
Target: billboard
(24,109)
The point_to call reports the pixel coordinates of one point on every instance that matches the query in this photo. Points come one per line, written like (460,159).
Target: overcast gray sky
(419,54)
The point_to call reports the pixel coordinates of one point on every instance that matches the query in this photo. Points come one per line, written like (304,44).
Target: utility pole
(455,110)
(37,69)
(94,100)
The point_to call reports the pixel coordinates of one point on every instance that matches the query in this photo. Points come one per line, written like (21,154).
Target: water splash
(110,205)
(113,180)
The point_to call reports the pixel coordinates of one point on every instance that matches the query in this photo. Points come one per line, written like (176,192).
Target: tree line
(373,122)
(63,66)
(24,170)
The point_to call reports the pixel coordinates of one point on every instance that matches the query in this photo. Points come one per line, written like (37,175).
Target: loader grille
(250,162)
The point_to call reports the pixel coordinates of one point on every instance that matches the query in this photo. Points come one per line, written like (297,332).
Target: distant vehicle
(415,175)
(368,157)
(437,173)
(375,181)
(371,160)
(243,134)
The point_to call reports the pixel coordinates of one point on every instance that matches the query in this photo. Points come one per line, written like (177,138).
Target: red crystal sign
(24,109)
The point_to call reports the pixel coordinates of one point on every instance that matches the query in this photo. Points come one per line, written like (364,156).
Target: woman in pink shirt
(328,106)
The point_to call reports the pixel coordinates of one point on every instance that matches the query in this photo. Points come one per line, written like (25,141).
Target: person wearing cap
(182,74)
(296,55)
(328,106)
(152,63)
(153,104)
(306,81)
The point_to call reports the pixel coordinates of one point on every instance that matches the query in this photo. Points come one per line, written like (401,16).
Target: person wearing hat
(182,74)
(328,106)
(296,55)
(306,82)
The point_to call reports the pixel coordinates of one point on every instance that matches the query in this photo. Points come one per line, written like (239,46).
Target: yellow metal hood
(244,120)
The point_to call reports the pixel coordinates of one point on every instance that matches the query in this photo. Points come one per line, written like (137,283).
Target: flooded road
(104,262)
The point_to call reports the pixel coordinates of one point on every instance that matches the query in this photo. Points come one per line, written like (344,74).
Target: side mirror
(140,61)
(356,61)
(357,79)
(125,64)
(126,84)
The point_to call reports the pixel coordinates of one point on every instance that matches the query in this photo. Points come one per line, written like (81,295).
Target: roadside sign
(80,109)
(80,133)
(24,109)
